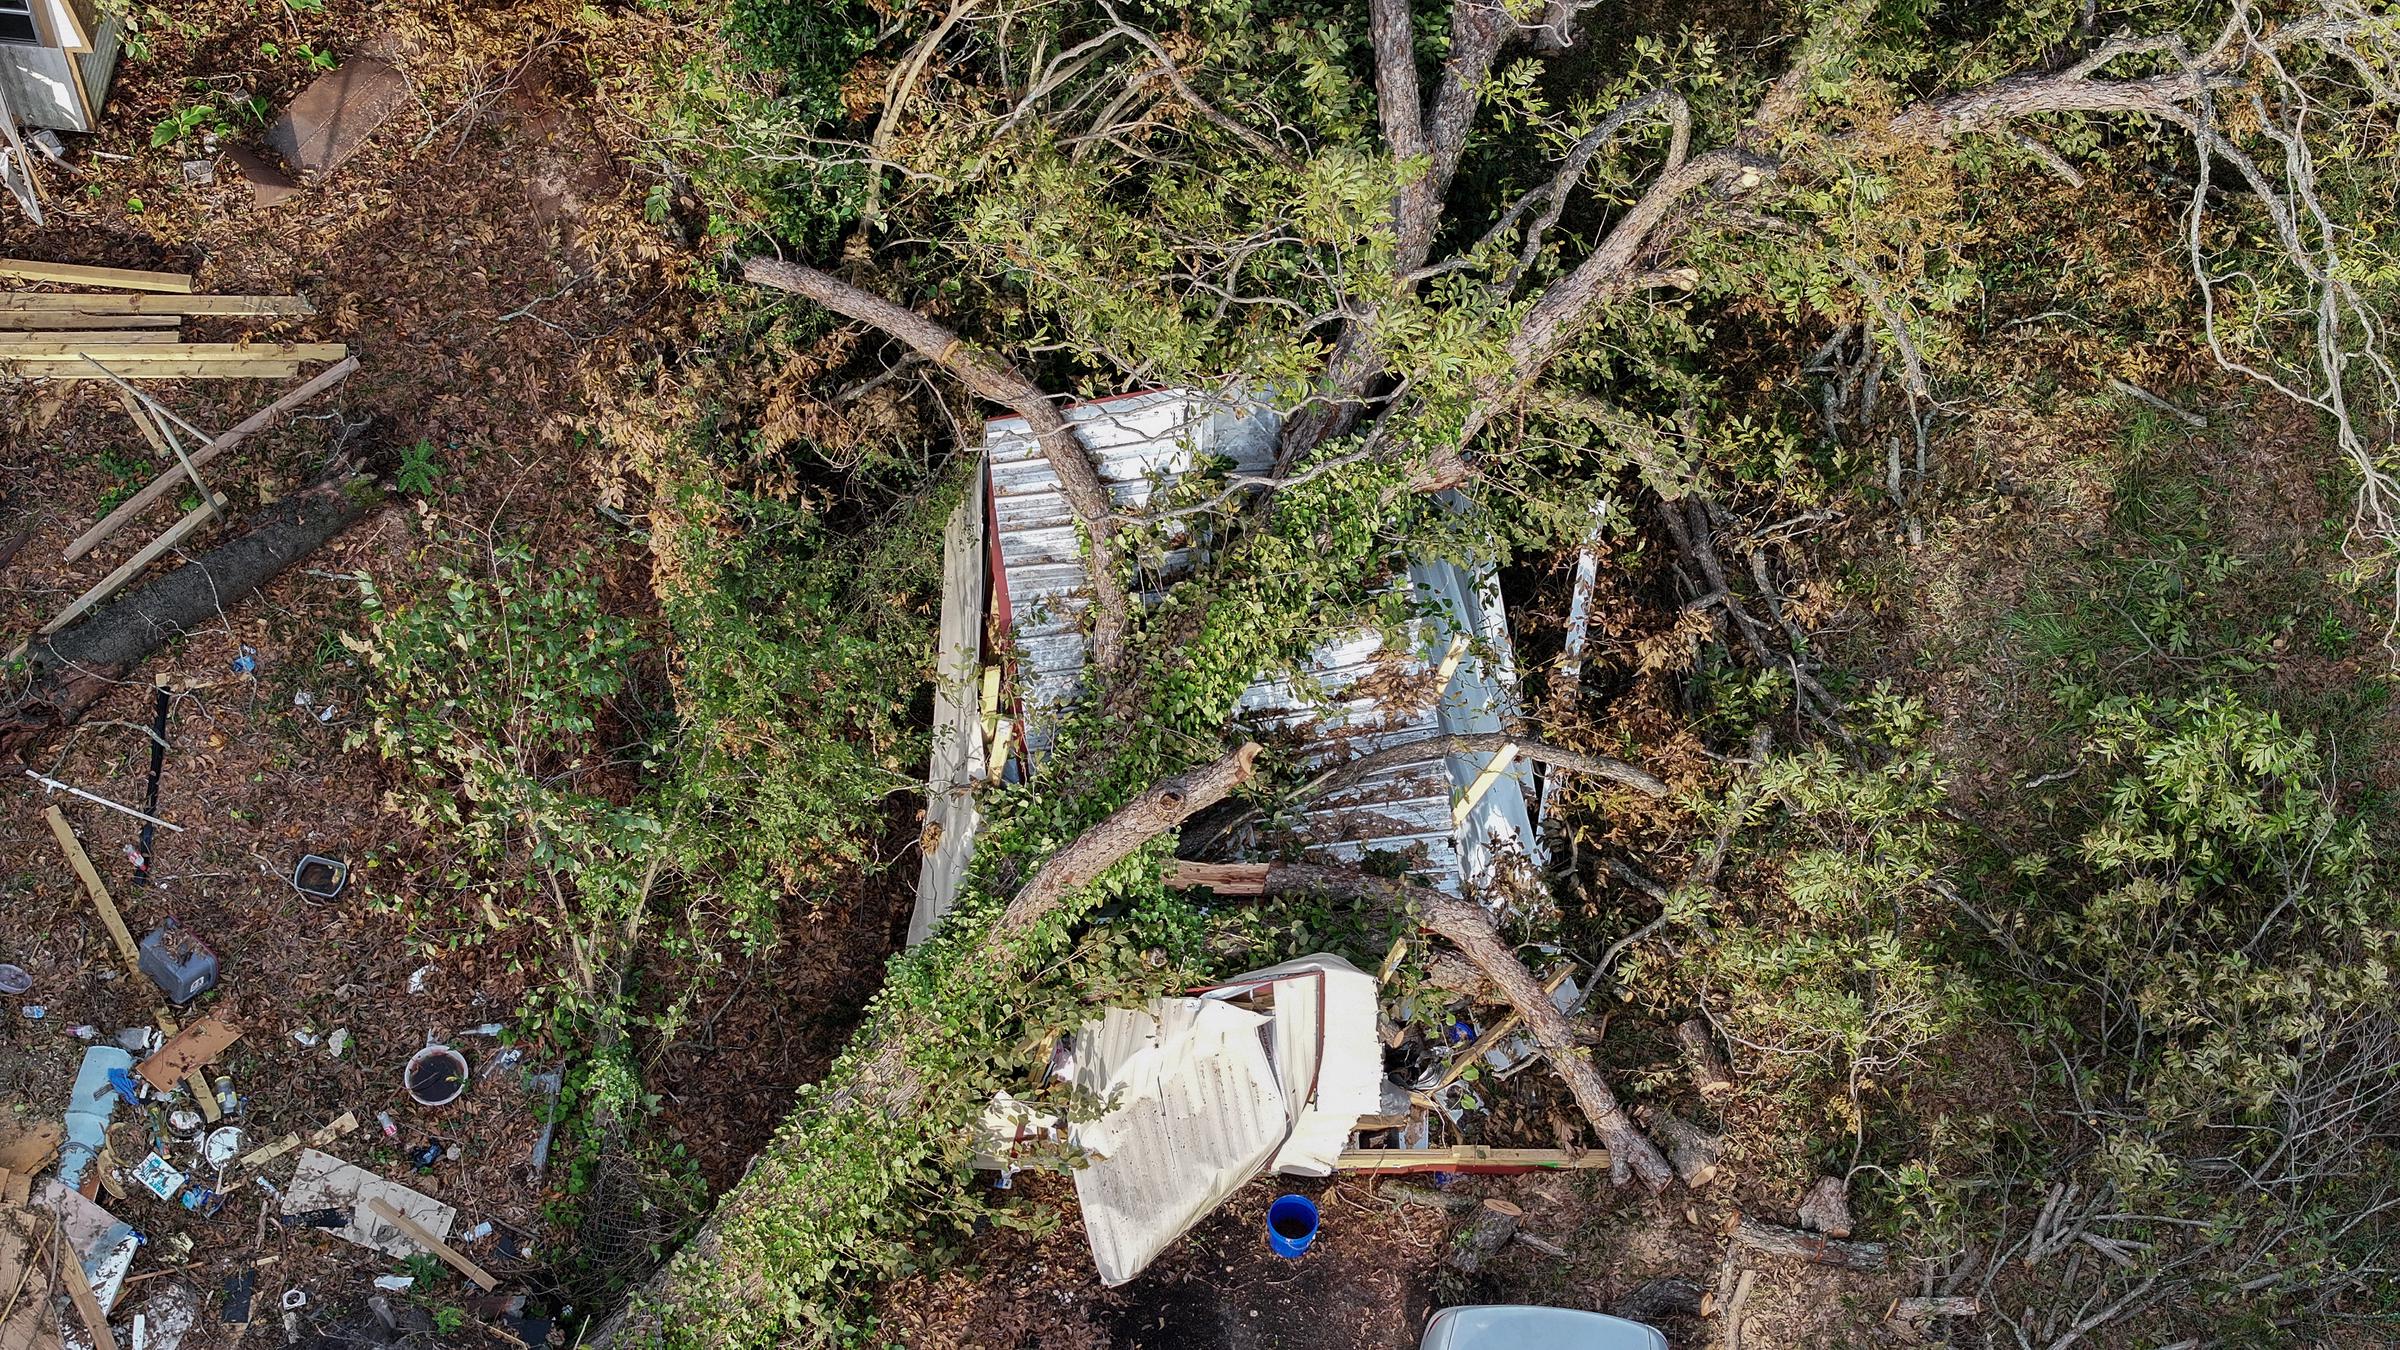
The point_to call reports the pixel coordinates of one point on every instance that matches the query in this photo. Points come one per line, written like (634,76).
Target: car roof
(1524,1327)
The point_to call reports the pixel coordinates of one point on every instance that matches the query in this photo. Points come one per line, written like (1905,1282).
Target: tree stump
(1495,1223)
(1827,1208)
(1693,1150)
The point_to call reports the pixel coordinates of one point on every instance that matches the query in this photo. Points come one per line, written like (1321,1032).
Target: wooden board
(25,1290)
(240,306)
(1469,1158)
(70,1269)
(101,900)
(111,354)
(203,1094)
(133,566)
(116,278)
(377,1206)
(18,321)
(190,1048)
(166,482)
(109,337)
(322,1181)
(53,368)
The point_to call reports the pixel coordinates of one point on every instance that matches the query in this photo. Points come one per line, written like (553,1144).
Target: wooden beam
(101,901)
(111,338)
(115,278)
(241,306)
(73,368)
(166,482)
(205,1095)
(80,1290)
(15,349)
(1223,878)
(19,320)
(1469,1158)
(133,566)
(383,1210)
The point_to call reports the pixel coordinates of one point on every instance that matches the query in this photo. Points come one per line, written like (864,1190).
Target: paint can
(436,1076)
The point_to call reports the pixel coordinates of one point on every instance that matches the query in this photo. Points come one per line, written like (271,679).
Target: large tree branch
(1464,925)
(1000,383)
(1488,743)
(715,1263)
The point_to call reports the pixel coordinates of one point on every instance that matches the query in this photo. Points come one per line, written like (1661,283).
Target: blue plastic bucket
(1291,1225)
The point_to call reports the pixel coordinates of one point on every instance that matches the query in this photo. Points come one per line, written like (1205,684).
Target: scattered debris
(177,961)
(158,1176)
(189,1049)
(331,119)
(383,1209)
(104,904)
(435,1076)
(269,185)
(14,980)
(323,878)
(88,1110)
(323,1181)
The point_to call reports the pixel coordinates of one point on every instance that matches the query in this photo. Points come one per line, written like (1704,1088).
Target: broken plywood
(186,1052)
(25,1289)
(333,117)
(28,1145)
(323,1181)
(104,1245)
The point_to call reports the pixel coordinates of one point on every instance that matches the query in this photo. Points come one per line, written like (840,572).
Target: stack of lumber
(92,335)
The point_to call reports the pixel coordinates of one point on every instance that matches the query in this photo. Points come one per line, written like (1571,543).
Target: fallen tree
(74,668)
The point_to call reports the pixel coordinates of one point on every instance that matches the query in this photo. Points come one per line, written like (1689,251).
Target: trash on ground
(158,1176)
(103,1243)
(1291,1225)
(222,1146)
(1270,1069)
(177,961)
(14,980)
(323,1181)
(435,1076)
(320,877)
(396,1283)
(167,1317)
(85,1121)
(417,978)
(337,1041)
(334,1129)
(189,1049)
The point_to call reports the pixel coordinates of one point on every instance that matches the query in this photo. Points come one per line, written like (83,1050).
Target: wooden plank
(334,1129)
(101,901)
(205,1095)
(19,321)
(80,1289)
(133,566)
(165,482)
(238,306)
(260,1157)
(1469,1158)
(142,422)
(189,1049)
(115,278)
(111,337)
(957,761)
(382,1209)
(50,368)
(110,354)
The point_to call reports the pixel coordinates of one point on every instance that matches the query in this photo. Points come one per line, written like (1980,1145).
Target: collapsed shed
(1013,656)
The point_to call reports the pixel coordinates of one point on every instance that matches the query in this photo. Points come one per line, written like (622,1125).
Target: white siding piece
(1199,1114)
(957,763)
(1327,1057)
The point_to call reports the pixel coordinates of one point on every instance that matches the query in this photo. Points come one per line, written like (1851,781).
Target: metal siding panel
(41,88)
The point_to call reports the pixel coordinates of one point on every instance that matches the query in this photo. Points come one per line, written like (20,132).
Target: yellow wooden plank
(245,306)
(1467,1156)
(79,1289)
(112,353)
(382,1209)
(50,368)
(111,338)
(17,321)
(75,274)
(101,901)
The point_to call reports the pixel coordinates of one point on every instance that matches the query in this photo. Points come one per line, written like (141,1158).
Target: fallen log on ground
(1495,1223)
(1709,1071)
(1777,1240)
(712,1277)
(1657,1300)
(1827,1208)
(1693,1150)
(72,669)
(1465,926)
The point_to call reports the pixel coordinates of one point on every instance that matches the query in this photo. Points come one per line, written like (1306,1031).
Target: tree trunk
(1693,1150)
(1827,1208)
(1777,1240)
(1656,1300)
(1709,1071)
(74,668)
(1495,1223)
(999,382)
(1465,926)
(888,1083)
(1487,743)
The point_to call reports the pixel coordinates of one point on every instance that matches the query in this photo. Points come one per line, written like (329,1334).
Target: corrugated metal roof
(1363,690)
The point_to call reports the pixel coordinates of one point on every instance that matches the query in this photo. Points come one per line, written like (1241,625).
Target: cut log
(1777,1240)
(1827,1208)
(1695,1152)
(71,274)
(71,670)
(1465,926)
(1925,1309)
(1658,1300)
(1223,878)
(1493,1225)
(1708,1068)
